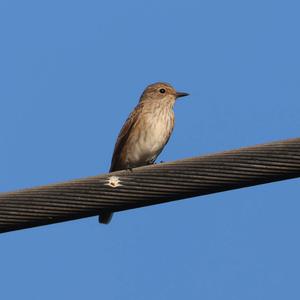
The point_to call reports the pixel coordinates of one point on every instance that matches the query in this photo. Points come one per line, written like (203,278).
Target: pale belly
(146,146)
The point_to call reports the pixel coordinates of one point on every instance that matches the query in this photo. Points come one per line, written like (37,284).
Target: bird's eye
(162,91)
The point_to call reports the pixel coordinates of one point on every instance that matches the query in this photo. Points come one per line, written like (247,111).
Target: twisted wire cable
(150,185)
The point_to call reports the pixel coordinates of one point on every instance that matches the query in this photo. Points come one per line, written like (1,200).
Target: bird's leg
(154,162)
(128,168)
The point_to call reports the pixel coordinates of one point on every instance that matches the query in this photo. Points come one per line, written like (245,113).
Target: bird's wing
(116,162)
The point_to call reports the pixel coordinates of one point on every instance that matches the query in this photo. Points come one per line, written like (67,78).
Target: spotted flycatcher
(145,132)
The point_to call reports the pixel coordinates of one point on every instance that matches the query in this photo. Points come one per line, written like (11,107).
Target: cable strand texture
(150,185)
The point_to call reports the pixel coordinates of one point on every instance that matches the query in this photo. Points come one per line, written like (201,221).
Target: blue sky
(71,71)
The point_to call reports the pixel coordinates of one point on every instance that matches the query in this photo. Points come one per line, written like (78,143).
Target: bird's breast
(150,135)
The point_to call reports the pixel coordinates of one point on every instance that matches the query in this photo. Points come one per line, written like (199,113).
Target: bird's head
(161,91)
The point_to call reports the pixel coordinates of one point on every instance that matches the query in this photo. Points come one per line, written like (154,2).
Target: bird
(146,131)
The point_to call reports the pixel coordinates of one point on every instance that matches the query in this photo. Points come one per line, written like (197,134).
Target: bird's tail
(105,217)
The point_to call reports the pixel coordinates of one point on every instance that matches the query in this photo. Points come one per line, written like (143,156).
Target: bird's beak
(181,94)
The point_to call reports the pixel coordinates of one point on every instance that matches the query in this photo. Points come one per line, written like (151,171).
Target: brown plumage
(145,132)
